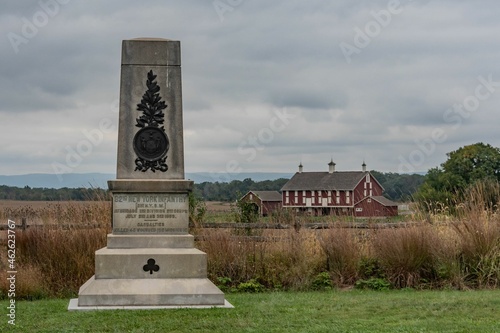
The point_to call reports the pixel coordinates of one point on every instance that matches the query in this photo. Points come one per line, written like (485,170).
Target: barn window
(369,200)
(359,209)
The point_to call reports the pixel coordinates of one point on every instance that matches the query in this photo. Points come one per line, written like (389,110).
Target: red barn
(355,193)
(265,201)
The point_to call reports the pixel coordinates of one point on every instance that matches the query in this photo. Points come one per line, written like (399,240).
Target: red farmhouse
(355,193)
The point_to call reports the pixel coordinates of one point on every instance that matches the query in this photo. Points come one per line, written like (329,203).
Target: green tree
(464,167)
(233,190)
(472,163)
(246,211)
(197,209)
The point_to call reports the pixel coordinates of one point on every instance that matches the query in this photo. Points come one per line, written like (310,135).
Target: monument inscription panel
(150,213)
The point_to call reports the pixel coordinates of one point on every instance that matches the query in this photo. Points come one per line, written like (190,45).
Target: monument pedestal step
(150,263)
(150,241)
(149,292)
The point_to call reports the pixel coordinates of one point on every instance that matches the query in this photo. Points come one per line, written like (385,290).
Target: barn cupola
(331,166)
(363,166)
(300,167)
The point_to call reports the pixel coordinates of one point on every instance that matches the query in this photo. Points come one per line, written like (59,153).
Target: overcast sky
(266,84)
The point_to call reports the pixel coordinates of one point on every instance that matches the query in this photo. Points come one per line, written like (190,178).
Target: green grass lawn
(330,311)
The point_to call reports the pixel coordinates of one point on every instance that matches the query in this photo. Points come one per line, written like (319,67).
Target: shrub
(64,258)
(373,284)
(30,283)
(226,257)
(285,216)
(197,209)
(322,281)
(246,212)
(343,253)
(478,231)
(282,259)
(224,284)
(447,259)
(370,268)
(251,286)
(406,254)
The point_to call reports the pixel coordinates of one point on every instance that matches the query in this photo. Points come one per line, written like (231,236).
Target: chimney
(363,166)
(331,167)
(300,167)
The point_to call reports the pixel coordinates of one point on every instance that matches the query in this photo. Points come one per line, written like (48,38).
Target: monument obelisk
(150,259)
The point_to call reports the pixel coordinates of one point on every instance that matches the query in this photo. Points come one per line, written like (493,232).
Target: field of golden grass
(38,212)
(460,251)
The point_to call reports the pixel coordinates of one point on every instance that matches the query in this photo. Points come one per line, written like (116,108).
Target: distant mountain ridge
(76,180)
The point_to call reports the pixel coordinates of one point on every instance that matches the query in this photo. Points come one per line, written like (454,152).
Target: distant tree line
(398,187)
(51,194)
(235,189)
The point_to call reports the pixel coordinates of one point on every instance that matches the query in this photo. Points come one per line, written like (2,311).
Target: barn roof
(384,201)
(338,180)
(268,195)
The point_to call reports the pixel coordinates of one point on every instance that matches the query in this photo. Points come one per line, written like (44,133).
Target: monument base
(73,306)
(149,292)
(177,276)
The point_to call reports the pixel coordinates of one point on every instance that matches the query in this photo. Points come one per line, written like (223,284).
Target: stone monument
(150,259)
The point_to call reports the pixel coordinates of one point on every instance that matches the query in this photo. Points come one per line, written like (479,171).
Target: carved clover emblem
(151,266)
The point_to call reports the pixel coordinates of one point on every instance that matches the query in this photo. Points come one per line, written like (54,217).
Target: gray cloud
(262,57)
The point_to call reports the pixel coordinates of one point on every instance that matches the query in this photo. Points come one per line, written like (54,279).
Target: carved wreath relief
(151,142)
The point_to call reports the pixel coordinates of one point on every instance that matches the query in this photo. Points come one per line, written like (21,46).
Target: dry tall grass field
(438,251)
(56,212)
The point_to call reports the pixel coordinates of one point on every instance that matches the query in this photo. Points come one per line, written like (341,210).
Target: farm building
(265,201)
(355,193)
